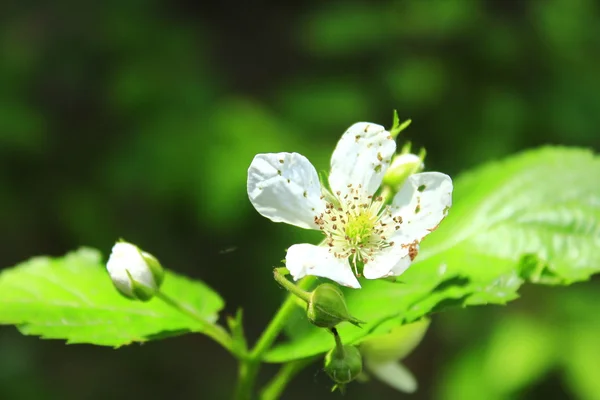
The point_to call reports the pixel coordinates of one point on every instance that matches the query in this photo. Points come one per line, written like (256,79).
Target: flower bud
(136,274)
(343,364)
(403,166)
(327,307)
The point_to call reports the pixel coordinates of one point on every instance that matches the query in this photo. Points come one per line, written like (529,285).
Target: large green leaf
(533,217)
(72,298)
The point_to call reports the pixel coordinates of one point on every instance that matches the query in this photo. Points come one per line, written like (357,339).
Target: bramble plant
(369,288)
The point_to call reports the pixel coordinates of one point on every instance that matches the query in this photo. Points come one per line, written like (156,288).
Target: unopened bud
(403,166)
(343,364)
(327,307)
(135,273)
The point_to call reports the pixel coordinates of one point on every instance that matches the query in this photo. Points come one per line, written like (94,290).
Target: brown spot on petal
(434,228)
(413,251)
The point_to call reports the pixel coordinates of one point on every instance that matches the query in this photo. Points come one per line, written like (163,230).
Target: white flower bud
(135,273)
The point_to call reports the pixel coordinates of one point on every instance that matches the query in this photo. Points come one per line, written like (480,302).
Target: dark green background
(138,119)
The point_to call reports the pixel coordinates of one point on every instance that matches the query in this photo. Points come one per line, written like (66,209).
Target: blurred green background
(138,119)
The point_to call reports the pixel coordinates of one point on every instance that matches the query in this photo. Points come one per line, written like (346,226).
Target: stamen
(357,225)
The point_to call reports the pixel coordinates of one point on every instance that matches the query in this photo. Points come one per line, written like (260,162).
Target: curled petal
(284,187)
(307,259)
(395,375)
(422,204)
(361,157)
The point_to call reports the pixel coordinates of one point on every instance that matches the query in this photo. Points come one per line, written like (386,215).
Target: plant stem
(286,373)
(215,332)
(339,346)
(277,323)
(279,275)
(249,367)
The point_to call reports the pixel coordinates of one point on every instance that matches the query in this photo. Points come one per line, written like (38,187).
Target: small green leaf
(237,332)
(533,217)
(72,298)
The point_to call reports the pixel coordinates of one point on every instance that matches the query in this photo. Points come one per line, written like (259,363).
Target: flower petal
(395,375)
(392,261)
(423,202)
(402,265)
(361,157)
(284,187)
(307,259)
(383,262)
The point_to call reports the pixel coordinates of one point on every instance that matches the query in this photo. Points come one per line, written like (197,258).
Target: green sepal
(158,273)
(343,364)
(140,292)
(327,307)
(398,127)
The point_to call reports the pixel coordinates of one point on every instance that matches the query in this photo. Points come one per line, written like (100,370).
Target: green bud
(403,166)
(136,274)
(343,364)
(327,307)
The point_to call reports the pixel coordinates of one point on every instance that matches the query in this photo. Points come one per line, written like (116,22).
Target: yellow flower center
(359,228)
(357,225)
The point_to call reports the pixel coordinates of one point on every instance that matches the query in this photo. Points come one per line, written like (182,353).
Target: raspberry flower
(364,236)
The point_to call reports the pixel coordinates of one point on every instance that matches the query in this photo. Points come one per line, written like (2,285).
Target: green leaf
(73,298)
(533,217)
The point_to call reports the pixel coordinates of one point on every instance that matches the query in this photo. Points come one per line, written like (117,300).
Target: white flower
(135,273)
(360,230)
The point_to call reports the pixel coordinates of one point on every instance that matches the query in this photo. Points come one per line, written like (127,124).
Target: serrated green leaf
(534,216)
(72,298)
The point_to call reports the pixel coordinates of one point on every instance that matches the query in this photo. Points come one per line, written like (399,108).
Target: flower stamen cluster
(357,225)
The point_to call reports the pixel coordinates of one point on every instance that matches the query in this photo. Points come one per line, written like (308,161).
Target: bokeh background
(138,119)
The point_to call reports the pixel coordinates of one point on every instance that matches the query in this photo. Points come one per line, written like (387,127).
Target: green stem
(249,367)
(339,346)
(279,275)
(276,386)
(276,325)
(215,332)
